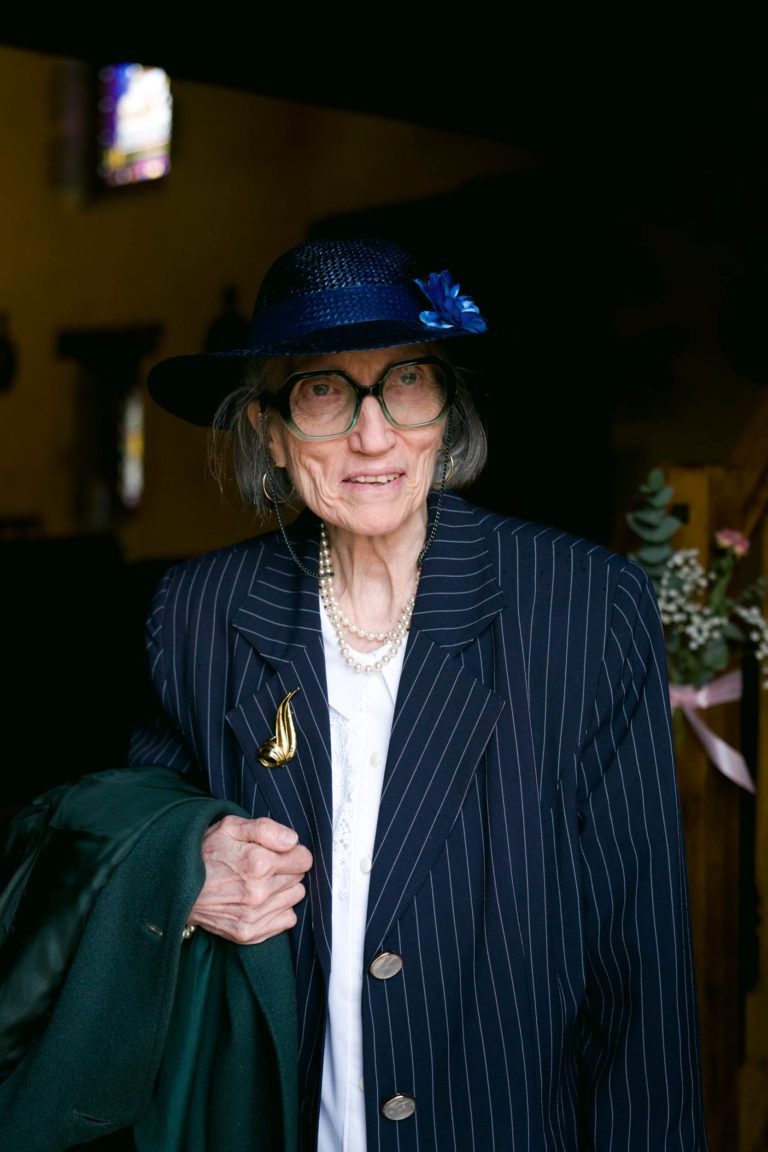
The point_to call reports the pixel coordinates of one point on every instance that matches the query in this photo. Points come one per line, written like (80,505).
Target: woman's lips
(385,478)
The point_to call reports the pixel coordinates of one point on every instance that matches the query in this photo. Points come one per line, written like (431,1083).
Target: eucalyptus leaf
(653,481)
(652,533)
(715,655)
(650,516)
(661,498)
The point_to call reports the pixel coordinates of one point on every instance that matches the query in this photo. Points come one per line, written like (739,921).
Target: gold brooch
(280,748)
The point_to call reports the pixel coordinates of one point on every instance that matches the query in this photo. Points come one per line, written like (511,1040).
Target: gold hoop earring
(273,499)
(444,479)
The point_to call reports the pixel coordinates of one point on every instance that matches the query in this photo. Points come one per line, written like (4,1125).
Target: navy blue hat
(333,294)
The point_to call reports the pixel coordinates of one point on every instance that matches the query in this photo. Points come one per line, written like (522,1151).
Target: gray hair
(235,442)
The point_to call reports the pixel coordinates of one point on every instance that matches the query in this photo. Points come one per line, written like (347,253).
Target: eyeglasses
(324,405)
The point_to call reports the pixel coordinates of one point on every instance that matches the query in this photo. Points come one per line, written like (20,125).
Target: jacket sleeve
(640,1033)
(157,736)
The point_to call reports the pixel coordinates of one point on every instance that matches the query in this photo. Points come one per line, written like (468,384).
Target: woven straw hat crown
(334,262)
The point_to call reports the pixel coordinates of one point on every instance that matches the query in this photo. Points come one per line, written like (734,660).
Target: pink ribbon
(720,691)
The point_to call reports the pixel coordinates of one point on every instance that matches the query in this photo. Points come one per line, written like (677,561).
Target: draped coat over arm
(529,863)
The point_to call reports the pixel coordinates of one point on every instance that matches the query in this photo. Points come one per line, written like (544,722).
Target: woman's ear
(254,415)
(262,425)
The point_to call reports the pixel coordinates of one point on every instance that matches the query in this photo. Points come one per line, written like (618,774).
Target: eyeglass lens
(411,394)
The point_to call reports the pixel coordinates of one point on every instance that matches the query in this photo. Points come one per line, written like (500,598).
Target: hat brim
(192,387)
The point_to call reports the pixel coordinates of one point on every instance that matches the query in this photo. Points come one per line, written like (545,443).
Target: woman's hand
(254,872)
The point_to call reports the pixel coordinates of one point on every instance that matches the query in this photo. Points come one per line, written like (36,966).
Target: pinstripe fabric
(529,863)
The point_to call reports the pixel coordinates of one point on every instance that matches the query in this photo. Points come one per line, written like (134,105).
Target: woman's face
(374,479)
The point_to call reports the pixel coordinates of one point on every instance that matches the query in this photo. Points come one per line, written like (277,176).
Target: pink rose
(732,541)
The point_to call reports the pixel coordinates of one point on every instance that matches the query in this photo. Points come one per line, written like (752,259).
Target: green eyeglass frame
(281,400)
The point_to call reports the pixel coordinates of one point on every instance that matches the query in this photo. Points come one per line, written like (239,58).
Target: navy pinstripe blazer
(529,862)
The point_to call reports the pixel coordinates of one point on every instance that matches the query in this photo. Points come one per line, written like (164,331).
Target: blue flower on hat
(452,310)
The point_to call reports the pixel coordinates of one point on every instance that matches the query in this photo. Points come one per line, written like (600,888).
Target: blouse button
(366,864)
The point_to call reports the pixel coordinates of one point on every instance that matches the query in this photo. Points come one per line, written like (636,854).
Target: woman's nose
(372,427)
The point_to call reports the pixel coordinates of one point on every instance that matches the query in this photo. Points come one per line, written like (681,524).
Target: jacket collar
(457,597)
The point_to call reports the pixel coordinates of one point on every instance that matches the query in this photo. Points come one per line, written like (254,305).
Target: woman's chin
(380,518)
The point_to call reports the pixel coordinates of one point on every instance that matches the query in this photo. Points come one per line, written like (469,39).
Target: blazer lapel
(280,620)
(444,716)
(438,738)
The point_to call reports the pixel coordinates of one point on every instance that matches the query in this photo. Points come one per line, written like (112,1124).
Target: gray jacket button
(398,1107)
(386,964)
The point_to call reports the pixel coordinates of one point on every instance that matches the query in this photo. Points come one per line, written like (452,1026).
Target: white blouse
(361,709)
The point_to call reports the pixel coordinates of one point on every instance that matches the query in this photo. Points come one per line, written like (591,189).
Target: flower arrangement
(706,623)
(452,310)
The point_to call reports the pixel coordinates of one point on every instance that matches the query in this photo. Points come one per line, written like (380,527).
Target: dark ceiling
(532,81)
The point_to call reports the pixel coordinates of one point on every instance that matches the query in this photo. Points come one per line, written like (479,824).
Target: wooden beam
(711,817)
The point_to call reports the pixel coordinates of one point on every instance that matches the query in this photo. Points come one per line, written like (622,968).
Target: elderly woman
(451,730)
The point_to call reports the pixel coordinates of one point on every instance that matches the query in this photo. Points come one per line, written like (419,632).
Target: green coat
(109,1021)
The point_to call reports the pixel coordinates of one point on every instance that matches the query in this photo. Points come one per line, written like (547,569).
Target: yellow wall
(250,175)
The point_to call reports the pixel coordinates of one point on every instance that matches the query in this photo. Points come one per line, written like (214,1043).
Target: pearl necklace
(340,623)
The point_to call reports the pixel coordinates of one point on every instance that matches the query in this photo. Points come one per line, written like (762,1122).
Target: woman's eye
(408,377)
